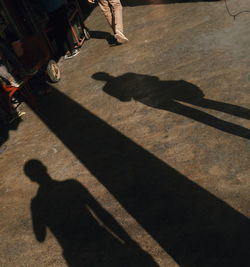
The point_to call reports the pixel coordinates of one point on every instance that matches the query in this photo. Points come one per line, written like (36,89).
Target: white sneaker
(74,53)
(120,37)
(15,84)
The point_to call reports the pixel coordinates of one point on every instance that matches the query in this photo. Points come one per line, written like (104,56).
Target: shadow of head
(102,76)
(117,87)
(36,171)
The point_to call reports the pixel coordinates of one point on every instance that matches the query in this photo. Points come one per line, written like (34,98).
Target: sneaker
(74,52)
(120,37)
(15,84)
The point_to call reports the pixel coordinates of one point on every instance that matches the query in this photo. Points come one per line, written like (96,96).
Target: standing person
(112,10)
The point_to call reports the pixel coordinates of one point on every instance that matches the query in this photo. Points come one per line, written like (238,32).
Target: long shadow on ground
(170,95)
(87,233)
(192,225)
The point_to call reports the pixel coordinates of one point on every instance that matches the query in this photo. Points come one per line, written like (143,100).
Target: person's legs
(105,7)
(57,22)
(61,26)
(70,43)
(116,8)
(5,75)
(63,34)
(112,10)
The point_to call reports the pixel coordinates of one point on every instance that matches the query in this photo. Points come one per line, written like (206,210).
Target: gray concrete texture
(140,154)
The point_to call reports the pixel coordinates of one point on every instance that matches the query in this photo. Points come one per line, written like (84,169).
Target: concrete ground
(140,154)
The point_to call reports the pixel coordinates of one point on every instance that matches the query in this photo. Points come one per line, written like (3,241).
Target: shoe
(120,37)
(74,52)
(15,84)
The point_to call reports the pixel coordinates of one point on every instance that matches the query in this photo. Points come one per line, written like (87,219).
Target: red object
(9,91)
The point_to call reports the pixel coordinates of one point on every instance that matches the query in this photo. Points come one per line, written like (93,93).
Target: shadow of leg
(209,120)
(223,107)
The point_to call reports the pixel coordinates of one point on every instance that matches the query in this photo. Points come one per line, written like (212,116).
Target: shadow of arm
(108,222)
(39,227)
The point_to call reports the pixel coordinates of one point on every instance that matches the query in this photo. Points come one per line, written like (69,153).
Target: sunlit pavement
(156,132)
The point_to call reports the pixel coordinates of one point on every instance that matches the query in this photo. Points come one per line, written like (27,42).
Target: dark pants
(62,32)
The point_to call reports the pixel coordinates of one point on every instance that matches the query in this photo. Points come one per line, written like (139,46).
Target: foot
(71,54)
(15,84)
(120,37)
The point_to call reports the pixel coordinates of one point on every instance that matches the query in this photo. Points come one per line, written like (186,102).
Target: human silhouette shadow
(170,95)
(192,225)
(87,233)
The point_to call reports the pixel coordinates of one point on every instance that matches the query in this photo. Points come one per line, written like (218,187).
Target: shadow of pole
(192,225)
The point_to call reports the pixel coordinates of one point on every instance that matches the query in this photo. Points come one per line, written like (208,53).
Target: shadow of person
(193,226)
(170,95)
(87,233)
